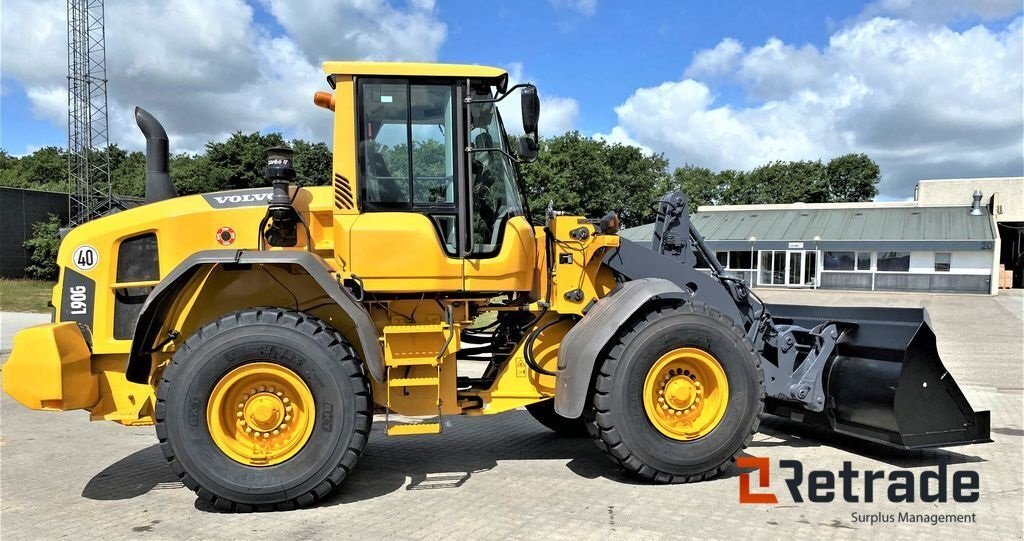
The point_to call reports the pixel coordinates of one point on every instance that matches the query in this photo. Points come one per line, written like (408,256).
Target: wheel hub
(681,393)
(260,414)
(264,412)
(686,393)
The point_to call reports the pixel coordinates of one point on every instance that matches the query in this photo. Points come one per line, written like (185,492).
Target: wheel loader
(261,330)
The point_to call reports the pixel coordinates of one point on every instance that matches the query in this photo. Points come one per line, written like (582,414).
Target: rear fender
(161,303)
(582,345)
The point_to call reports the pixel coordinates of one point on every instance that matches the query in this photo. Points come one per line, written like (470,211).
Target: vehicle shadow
(467,447)
(794,434)
(471,446)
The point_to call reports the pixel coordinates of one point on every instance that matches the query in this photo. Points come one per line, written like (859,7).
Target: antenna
(89,192)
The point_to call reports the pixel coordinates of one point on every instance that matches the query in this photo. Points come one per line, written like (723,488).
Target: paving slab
(508,477)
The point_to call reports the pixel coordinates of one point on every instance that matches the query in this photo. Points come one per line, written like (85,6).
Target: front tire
(263,409)
(678,395)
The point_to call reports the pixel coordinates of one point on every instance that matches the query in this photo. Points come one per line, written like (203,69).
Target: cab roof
(415,69)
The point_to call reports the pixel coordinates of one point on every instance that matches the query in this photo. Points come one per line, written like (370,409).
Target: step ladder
(411,348)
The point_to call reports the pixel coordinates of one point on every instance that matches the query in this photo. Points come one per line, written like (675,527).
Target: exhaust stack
(158,181)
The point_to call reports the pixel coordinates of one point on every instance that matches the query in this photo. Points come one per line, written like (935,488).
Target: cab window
(495,192)
(407,151)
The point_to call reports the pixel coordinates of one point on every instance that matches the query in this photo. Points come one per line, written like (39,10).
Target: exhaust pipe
(158,181)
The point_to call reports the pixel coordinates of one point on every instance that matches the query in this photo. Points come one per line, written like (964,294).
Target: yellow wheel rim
(686,394)
(260,414)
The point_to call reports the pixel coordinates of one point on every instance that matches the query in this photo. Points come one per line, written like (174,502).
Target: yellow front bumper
(50,369)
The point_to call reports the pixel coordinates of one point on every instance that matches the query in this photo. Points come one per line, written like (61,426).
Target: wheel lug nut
(248,429)
(280,394)
(285,400)
(276,432)
(661,400)
(265,435)
(239,415)
(262,388)
(284,426)
(270,389)
(287,418)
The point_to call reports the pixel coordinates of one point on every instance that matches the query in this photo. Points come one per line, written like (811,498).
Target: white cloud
(557,114)
(924,101)
(362,29)
(716,61)
(583,7)
(940,11)
(206,69)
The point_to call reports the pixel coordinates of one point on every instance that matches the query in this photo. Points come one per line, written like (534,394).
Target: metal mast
(88,163)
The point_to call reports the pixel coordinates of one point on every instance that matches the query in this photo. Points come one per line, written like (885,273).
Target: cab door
(502,250)
(405,237)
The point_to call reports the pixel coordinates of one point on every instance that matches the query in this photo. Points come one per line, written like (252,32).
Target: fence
(19,209)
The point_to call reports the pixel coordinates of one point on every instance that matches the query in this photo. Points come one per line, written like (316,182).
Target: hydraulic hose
(528,346)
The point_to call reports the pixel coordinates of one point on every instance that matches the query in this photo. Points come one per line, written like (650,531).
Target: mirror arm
(516,159)
(507,93)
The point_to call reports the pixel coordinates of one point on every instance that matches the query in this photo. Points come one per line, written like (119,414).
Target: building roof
(412,69)
(839,226)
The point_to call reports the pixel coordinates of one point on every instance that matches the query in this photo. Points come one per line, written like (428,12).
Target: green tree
(852,177)
(312,162)
(191,174)
(591,177)
(240,161)
(42,249)
(128,174)
(700,184)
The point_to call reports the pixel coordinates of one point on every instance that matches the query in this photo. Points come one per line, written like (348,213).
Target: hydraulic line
(528,345)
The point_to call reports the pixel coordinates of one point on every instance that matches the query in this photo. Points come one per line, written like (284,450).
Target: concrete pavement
(508,477)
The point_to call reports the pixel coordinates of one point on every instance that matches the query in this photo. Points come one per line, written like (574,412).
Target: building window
(741,260)
(863,261)
(894,261)
(736,260)
(942,260)
(839,261)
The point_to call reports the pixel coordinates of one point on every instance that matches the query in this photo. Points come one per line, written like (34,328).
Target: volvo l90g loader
(261,329)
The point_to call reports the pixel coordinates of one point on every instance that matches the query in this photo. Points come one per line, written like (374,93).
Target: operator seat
(382,188)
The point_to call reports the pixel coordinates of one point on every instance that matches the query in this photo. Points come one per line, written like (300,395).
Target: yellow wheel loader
(260,330)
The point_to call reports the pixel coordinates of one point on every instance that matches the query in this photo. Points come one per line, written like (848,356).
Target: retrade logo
(763,467)
(854,485)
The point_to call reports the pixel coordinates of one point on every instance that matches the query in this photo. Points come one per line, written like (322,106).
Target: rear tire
(629,435)
(544,412)
(321,368)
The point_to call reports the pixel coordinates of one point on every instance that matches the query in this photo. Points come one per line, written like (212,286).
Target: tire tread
(601,427)
(315,329)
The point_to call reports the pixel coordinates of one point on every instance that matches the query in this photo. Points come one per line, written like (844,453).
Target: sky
(928,89)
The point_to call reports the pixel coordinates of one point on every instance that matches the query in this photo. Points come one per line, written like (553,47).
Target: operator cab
(428,140)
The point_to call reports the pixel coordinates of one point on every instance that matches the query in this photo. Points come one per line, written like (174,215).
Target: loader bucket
(885,382)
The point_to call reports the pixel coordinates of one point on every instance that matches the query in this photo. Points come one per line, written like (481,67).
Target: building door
(790,268)
(802,268)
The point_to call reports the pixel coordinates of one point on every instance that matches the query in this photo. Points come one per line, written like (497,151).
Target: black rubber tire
(563,426)
(620,426)
(324,360)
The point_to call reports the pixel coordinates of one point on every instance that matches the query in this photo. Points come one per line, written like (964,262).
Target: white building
(949,245)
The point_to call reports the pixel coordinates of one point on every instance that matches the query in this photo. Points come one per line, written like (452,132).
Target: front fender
(160,300)
(582,345)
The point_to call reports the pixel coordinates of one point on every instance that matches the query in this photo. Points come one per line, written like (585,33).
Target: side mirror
(531,109)
(528,148)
